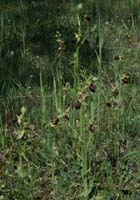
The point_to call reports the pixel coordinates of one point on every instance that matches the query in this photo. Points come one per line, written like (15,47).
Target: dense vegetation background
(69,100)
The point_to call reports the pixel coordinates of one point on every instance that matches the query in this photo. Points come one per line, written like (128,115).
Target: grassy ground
(69,101)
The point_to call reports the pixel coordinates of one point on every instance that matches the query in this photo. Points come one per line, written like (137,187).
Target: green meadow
(70,100)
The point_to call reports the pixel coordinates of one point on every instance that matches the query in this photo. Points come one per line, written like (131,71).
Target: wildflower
(110,78)
(24,137)
(82,96)
(109,104)
(66,88)
(74,40)
(115,90)
(92,128)
(78,105)
(16,163)
(55,121)
(129,36)
(66,117)
(126,78)
(87,18)
(118,57)
(15,120)
(92,87)
(129,39)
(61,45)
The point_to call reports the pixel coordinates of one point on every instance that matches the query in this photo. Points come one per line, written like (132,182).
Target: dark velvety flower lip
(118,57)
(109,104)
(87,18)
(74,40)
(55,121)
(125,80)
(25,137)
(78,105)
(92,87)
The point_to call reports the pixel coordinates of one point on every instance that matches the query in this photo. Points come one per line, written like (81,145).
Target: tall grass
(77,136)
